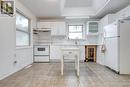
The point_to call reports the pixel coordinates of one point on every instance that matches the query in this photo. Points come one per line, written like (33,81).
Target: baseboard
(13,72)
(5,76)
(112,70)
(69,61)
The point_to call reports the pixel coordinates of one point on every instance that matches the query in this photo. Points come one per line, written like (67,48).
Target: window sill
(93,34)
(23,47)
(76,39)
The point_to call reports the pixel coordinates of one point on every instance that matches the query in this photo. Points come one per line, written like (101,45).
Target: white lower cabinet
(55,52)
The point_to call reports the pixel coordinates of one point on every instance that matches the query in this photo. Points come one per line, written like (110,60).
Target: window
(92,27)
(75,31)
(22,30)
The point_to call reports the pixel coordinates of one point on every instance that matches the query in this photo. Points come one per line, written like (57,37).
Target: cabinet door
(92,27)
(55,52)
(62,29)
(54,26)
(44,25)
(58,28)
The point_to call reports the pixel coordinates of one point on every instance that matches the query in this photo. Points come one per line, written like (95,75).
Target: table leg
(62,65)
(77,65)
(75,62)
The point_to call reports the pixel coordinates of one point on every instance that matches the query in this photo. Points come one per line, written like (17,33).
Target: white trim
(24,47)
(28,32)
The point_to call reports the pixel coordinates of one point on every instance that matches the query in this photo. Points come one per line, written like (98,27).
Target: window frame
(88,32)
(77,24)
(26,32)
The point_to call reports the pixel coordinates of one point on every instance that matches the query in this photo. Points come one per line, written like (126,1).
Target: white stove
(41,53)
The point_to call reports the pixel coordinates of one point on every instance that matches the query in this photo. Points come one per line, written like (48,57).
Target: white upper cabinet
(124,13)
(108,19)
(44,25)
(92,28)
(57,28)
(62,28)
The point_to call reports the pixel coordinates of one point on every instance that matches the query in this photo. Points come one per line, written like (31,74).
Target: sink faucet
(76,42)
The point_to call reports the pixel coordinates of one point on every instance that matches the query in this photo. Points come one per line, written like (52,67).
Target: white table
(70,53)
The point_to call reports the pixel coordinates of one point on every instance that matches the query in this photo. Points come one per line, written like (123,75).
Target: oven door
(41,50)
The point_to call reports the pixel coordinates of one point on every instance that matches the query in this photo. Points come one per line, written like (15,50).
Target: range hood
(37,30)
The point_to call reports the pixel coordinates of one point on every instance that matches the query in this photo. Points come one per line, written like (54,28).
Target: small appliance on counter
(41,53)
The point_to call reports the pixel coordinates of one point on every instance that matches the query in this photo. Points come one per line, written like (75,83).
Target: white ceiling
(70,8)
(78,3)
(43,8)
(112,7)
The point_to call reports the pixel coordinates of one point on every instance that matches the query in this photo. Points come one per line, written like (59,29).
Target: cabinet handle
(70,52)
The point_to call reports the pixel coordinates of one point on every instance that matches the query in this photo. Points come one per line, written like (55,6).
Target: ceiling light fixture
(76,17)
(52,0)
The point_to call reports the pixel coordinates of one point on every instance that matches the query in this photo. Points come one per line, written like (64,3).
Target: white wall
(7,46)
(12,59)
(24,55)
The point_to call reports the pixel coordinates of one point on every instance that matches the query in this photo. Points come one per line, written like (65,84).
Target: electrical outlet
(15,62)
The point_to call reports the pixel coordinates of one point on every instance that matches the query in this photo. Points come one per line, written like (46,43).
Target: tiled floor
(48,75)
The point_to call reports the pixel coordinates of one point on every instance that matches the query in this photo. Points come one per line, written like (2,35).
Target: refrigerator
(117,43)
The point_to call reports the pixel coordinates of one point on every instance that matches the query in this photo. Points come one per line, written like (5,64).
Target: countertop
(64,44)
(70,48)
(72,44)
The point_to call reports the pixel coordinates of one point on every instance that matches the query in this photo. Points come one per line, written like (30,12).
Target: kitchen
(35,42)
(57,39)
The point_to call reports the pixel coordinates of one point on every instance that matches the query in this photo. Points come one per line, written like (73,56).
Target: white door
(111,54)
